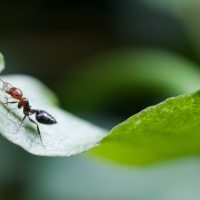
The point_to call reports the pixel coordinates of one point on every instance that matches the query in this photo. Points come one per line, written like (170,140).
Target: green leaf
(112,77)
(168,130)
(69,136)
(1,62)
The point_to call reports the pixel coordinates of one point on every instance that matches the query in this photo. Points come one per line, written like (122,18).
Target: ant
(41,116)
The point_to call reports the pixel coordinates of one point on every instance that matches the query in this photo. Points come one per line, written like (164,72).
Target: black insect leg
(21,122)
(9,102)
(12,102)
(37,130)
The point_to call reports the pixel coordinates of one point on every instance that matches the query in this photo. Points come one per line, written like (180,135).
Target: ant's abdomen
(44,117)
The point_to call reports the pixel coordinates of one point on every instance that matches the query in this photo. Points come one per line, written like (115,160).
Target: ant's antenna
(6,83)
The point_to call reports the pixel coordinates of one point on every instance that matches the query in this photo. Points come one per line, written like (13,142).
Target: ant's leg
(21,122)
(4,87)
(9,102)
(12,102)
(37,130)
(2,81)
(5,83)
(5,96)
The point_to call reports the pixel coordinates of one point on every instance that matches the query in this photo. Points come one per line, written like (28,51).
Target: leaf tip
(2,63)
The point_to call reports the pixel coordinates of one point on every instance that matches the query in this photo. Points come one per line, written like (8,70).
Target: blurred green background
(105,61)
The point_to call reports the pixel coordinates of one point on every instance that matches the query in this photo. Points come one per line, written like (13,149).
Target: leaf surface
(168,130)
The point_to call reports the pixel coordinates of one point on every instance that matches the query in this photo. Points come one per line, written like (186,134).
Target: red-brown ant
(41,116)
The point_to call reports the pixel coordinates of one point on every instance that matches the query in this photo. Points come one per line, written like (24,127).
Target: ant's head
(16,93)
